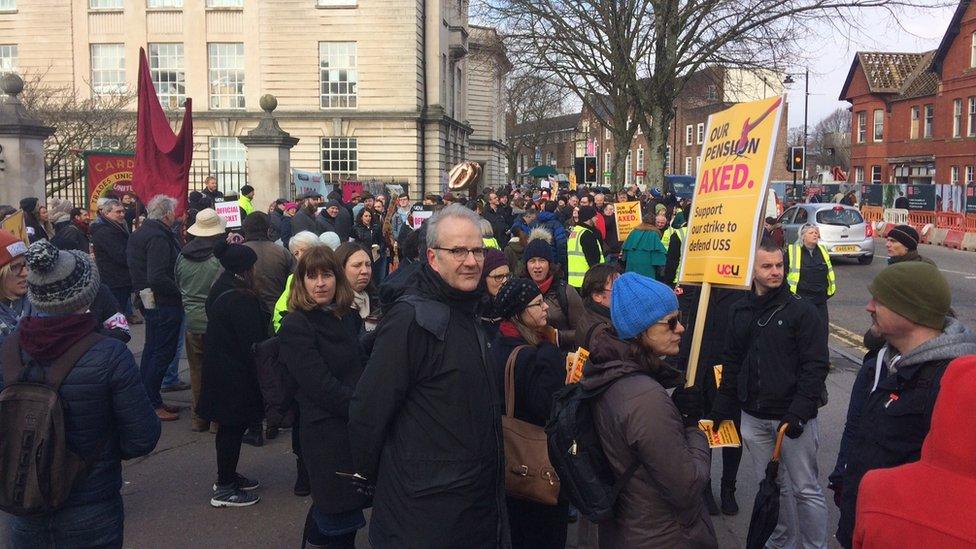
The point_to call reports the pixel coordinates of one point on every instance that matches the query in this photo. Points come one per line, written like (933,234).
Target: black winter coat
(104,398)
(235,322)
(322,354)
(109,240)
(775,359)
(67,236)
(499,223)
(303,221)
(425,424)
(365,236)
(151,254)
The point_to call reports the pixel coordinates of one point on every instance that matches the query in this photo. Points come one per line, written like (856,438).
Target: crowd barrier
(872,213)
(950,220)
(949,229)
(971,223)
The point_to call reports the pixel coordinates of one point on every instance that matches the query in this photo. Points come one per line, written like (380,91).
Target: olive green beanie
(915,290)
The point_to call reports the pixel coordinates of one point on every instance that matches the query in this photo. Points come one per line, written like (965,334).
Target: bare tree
(640,54)
(532,98)
(831,139)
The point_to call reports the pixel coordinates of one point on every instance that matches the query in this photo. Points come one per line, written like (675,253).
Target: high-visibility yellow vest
(666,236)
(682,234)
(796,256)
(577,260)
(281,306)
(490,243)
(245,204)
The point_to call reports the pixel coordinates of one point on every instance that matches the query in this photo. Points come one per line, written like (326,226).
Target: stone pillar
(21,146)
(268,157)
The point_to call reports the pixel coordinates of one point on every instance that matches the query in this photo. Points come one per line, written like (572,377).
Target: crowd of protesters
(393,322)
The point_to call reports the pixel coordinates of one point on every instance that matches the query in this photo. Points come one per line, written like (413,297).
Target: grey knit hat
(60,282)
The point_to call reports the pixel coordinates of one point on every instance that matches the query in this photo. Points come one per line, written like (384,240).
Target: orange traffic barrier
(971,223)
(950,220)
(872,213)
(919,219)
(954,239)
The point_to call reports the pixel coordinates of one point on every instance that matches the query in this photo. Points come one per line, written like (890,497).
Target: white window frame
(640,165)
(226,151)
(167,65)
(697,164)
(689,134)
(164,4)
(8,5)
(859,174)
(876,181)
(606,167)
(551,158)
(915,123)
(109,5)
(928,121)
(972,50)
(700,133)
(225,4)
(338,75)
(971,129)
(667,160)
(225,76)
(957,117)
(954,175)
(339,159)
(8,57)
(862,126)
(108,73)
(969,174)
(606,133)
(878,133)
(688,170)
(106,143)
(628,169)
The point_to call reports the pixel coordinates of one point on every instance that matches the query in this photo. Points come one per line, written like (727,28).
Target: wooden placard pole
(696,336)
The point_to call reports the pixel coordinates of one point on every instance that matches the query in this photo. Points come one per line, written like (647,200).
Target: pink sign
(351,189)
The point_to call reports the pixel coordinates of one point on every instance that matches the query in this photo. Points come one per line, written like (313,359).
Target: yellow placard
(730,193)
(725,437)
(575,372)
(717,370)
(628,215)
(15,224)
(572,181)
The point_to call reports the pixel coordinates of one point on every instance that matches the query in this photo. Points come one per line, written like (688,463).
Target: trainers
(230,496)
(242,483)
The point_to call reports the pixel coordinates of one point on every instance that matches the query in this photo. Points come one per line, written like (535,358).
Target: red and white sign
(418,217)
(640,173)
(231,212)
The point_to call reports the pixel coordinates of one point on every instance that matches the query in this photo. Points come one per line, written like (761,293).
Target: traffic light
(590,166)
(797,159)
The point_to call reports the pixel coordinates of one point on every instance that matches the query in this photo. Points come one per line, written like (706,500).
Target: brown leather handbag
(528,473)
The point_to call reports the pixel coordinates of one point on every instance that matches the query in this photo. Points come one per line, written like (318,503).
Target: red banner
(107,175)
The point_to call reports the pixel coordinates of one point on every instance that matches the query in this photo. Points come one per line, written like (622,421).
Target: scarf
(507,329)
(360,302)
(48,337)
(545,285)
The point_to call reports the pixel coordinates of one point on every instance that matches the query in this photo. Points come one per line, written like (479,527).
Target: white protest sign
(230,211)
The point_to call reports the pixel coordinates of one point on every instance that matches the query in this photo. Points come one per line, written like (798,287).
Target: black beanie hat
(235,258)
(514,295)
(586,213)
(539,248)
(905,234)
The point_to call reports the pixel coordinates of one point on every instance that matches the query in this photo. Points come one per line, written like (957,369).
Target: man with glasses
(775,364)
(424,420)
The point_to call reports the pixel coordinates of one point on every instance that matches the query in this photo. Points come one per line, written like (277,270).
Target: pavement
(167,493)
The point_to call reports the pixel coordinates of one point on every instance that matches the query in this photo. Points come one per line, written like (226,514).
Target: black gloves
(690,405)
(795,429)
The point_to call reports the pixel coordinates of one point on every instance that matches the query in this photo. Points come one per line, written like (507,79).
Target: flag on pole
(162,157)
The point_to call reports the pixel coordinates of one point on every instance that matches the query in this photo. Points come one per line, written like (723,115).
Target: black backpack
(39,468)
(577,455)
(278,387)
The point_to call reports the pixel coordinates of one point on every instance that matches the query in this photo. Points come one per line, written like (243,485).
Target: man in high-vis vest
(811,275)
(583,249)
(672,266)
(247,195)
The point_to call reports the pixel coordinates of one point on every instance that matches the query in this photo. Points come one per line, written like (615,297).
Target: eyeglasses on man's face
(460,253)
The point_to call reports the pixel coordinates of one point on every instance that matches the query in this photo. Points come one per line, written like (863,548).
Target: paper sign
(726,210)
(575,372)
(726,437)
(310,182)
(231,212)
(417,218)
(717,370)
(628,216)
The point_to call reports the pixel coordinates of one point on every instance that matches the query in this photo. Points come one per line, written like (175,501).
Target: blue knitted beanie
(637,302)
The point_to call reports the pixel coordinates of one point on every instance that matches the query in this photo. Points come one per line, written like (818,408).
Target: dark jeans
(124,297)
(162,337)
(228,443)
(92,525)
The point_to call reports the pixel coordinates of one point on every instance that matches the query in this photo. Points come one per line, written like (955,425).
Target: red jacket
(930,503)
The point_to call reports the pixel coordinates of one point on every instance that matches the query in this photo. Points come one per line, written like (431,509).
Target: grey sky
(830,56)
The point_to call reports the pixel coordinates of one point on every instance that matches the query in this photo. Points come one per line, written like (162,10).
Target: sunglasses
(672,322)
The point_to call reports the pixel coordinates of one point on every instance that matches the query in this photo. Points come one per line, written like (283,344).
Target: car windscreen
(843,217)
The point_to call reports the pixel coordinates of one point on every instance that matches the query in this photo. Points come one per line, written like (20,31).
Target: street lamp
(806,103)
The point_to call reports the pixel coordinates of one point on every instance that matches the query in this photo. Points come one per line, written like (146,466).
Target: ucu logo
(727,269)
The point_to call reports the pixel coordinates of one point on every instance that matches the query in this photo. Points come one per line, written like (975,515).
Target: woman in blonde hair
(320,348)
(13,282)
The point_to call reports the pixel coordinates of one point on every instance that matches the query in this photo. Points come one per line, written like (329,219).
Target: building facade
(487,66)
(708,91)
(914,114)
(373,89)
(548,142)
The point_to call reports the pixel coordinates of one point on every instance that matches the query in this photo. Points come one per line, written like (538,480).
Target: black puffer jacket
(151,254)
(104,400)
(425,424)
(109,240)
(775,359)
(67,236)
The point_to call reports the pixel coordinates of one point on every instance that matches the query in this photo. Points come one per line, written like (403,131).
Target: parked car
(842,229)
(681,186)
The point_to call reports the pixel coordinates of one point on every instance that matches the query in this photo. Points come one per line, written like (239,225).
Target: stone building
(373,89)
(487,66)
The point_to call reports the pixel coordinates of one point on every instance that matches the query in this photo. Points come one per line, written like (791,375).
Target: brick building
(914,114)
(708,91)
(549,142)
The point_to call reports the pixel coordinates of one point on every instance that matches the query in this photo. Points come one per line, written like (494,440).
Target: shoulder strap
(13,366)
(64,363)
(562,298)
(510,381)
(585,343)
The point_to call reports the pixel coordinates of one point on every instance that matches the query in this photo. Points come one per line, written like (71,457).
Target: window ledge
(10,11)
(164,10)
(106,10)
(336,7)
(225,8)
